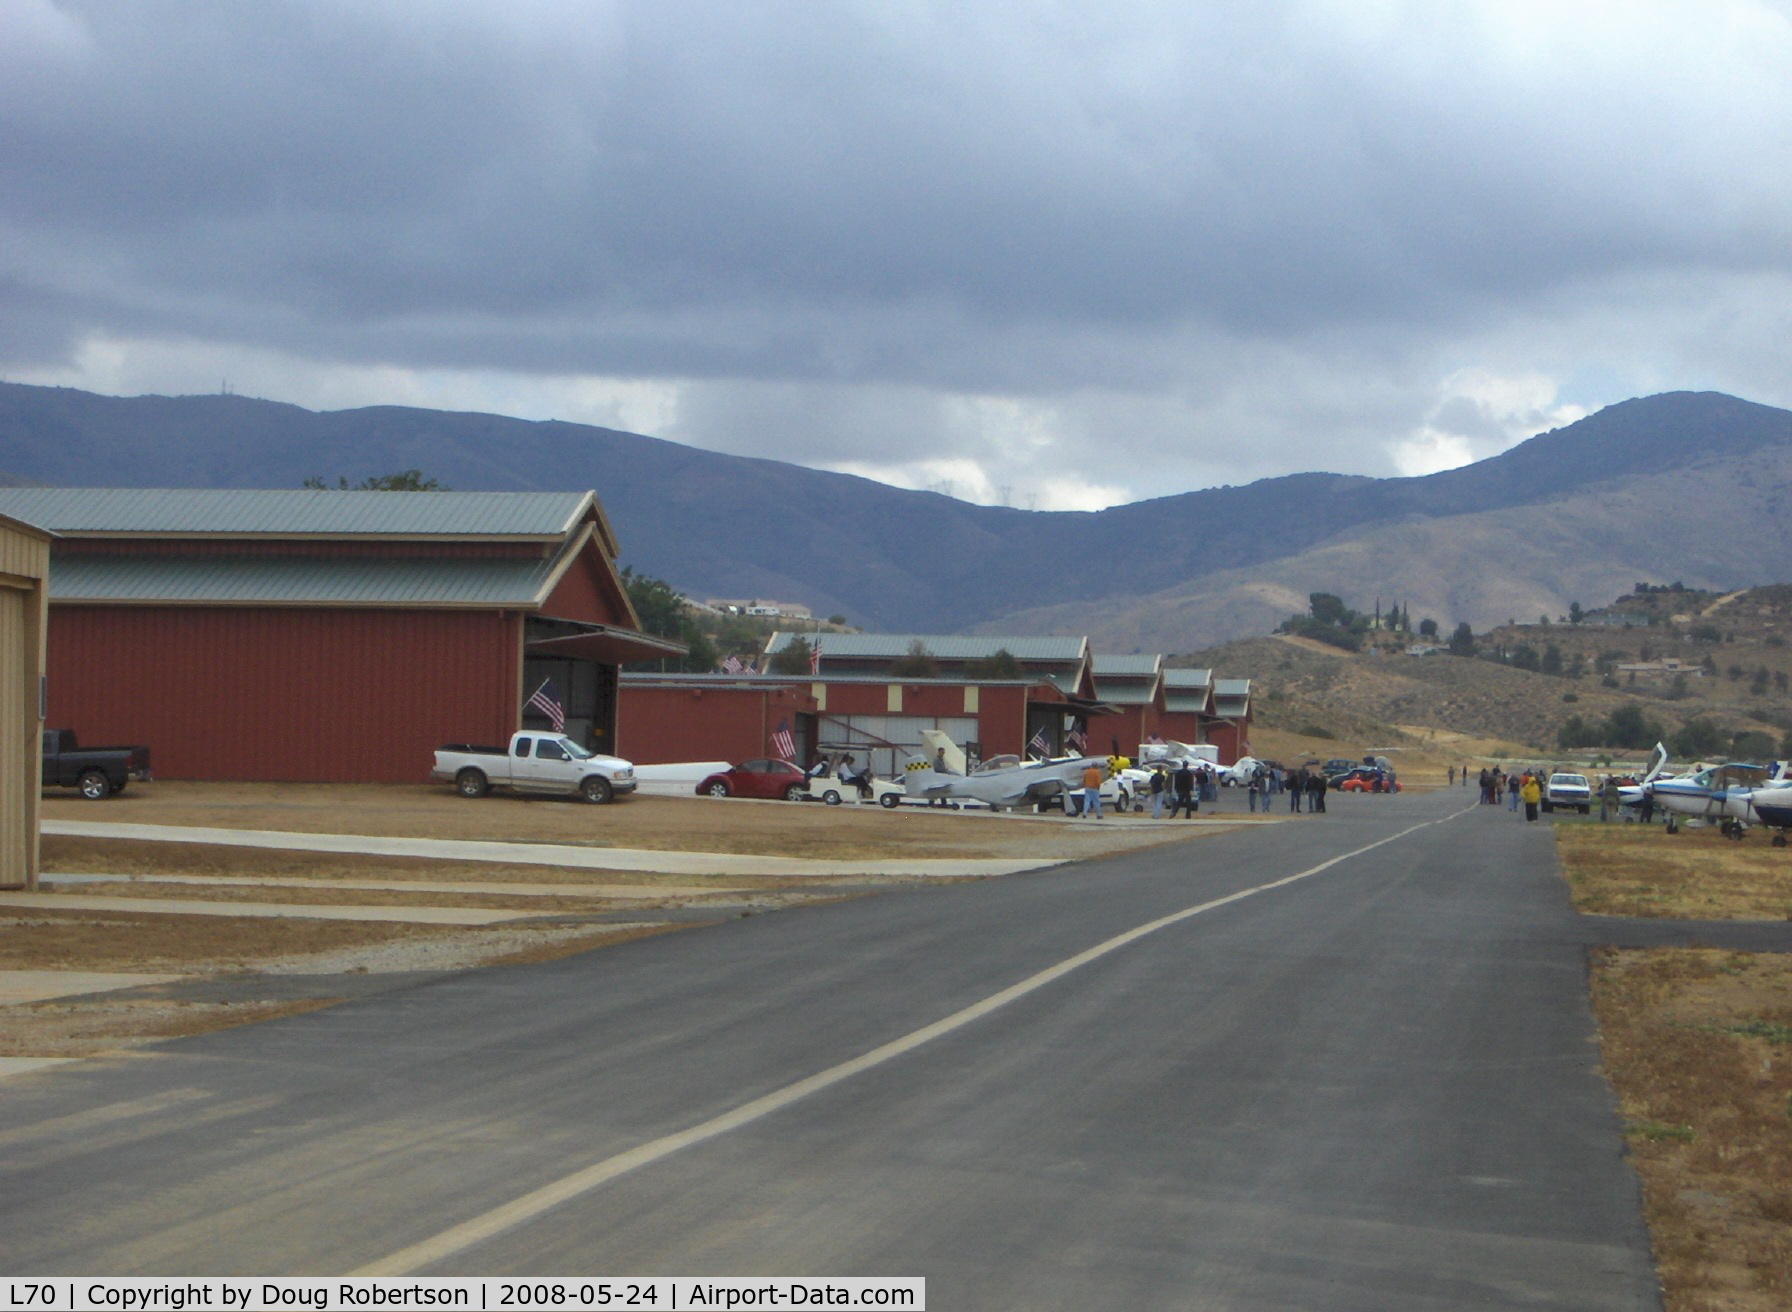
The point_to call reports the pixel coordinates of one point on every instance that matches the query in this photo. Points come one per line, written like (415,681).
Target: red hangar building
(327,636)
(853,702)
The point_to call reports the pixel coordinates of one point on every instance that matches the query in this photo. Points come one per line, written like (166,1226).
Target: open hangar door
(891,740)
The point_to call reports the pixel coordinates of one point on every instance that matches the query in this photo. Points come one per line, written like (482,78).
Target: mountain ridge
(714,523)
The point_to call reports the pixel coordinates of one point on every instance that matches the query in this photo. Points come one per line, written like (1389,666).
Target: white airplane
(1774,808)
(1000,782)
(1724,793)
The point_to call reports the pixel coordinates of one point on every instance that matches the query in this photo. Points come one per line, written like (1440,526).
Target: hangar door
(20,747)
(890,739)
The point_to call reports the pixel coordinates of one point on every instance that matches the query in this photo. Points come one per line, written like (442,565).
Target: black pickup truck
(97,771)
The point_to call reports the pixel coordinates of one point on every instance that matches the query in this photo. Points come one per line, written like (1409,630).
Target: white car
(1569,792)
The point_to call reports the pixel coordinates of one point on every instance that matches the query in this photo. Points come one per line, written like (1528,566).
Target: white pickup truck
(535,763)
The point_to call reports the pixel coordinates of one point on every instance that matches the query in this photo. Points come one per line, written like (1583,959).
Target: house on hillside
(327,635)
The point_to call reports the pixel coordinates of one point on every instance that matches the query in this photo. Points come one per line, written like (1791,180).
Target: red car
(1366,779)
(763,777)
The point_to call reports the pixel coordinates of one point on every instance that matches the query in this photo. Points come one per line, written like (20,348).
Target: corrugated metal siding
(659,724)
(300,512)
(314,695)
(588,591)
(23,560)
(298,581)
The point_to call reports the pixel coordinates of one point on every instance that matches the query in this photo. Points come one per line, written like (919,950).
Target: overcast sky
(1028,252)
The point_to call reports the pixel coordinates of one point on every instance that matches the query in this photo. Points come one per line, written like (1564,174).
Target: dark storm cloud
(1015,199)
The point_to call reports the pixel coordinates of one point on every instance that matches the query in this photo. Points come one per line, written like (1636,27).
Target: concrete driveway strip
(1372,1088)
(168,906)
(544,854)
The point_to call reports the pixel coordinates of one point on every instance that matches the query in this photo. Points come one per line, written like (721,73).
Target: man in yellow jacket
(1530,792)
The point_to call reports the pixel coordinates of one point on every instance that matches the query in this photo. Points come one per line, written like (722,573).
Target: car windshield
(1569,780)
(575,751)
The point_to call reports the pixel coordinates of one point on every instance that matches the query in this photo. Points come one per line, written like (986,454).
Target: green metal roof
(300,580)
(1186,679)
(75,511)
(1231,697)
(1137,666)
(945,647)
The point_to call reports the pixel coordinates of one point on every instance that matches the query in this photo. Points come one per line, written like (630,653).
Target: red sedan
(763,777)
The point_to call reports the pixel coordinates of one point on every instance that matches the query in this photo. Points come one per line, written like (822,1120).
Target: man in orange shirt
(1092,791)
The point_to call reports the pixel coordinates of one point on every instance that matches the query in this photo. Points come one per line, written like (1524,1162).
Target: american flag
(1039,746)
(815,657)
(732,665)
(546,699)
(1078,743)
(782,741)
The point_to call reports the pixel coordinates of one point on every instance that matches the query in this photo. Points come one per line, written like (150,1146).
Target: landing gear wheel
(1779,840)
(1672,826)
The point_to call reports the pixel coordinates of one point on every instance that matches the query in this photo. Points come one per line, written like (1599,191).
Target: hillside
(1744,640)
(1661,487)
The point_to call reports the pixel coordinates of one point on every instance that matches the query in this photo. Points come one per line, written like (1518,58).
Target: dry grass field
(1698,1046)
(1696,874)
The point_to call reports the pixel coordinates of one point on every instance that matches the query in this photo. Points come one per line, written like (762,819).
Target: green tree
(1699,737)
(1000,664)
(1629,727)
(1575,732)
(1427,627)
(1462,642)
(405,480)
(1752,745)
(1328,609)
(1575,613)
(793,658)
(918,663)
(664,613)
(1552,659)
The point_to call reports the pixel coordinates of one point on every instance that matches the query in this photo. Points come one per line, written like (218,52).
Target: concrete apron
(548,854)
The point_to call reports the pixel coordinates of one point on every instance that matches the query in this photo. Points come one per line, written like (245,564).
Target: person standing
(1092,791)
(1514,786)
(1297,787)
(1608,798)
(1157,794)
(1185,792)
(1531,793)
(1316,785)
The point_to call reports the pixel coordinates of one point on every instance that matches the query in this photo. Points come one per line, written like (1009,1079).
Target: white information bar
(482,1294)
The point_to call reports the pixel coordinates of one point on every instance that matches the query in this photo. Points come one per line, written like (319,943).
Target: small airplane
(1724,793)
(1773,807)
(1000,782)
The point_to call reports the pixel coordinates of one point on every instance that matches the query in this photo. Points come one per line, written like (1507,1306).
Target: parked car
(534,763)
(1338,765)
(97,771)
(765,777)
(1568,792)
(1366,779)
